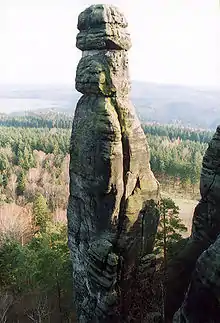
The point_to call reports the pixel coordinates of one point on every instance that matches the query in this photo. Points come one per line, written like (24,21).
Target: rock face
(111,222)
(201,303)
(206,224)
(201,256)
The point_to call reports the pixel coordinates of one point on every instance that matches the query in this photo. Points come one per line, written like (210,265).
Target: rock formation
(201,303)
(111,221)
(198,265)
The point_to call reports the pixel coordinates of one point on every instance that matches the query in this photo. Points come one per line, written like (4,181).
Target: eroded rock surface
(201,303)
(111,221)
(196,268)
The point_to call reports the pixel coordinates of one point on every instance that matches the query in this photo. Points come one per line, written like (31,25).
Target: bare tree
(41,310)
(15,223)
(6,301)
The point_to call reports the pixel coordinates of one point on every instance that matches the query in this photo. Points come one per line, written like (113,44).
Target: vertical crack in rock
(111,183)
(126,169)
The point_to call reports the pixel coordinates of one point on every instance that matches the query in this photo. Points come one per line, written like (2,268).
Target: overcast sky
(174,41)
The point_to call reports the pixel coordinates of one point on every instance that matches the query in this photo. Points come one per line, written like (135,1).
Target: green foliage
(60,120)
(9,257)
(21,183)
(173,132)
(41,212)
(18,267)
(4,162)
(3,180)
(43,264)
(170,228)
(179,157)
(5,167)
(24,156)
(178,160)
(54,267)
(64,121)
(23,141)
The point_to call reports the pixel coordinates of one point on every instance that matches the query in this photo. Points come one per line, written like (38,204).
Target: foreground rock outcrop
(111,218)
(193,276)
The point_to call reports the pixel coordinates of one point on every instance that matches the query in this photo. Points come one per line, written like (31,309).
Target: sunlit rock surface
(110,223)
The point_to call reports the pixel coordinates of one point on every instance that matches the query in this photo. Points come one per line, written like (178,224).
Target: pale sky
(174,41)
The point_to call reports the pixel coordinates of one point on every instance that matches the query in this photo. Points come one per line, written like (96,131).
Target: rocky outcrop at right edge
(197,267)
(206,225)
(201,303)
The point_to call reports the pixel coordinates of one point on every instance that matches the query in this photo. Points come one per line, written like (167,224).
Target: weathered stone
(206,221)
(154,317)
(147,268)
(205,229)
(201,302)
(103,72)
(102,27)
(111,217)
(210,175)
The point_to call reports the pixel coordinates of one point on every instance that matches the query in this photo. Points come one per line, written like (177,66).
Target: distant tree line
(24,140)
(177,160)
(62,121)
(174,132)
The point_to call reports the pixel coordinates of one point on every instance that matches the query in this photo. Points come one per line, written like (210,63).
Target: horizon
(72,84)
(181,43)
(13,101)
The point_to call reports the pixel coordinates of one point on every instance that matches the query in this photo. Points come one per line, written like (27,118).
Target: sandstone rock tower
(193,283)
(109,223)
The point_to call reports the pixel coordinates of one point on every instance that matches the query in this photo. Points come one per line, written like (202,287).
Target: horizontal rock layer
(102,27)
(112,220)
(103,72)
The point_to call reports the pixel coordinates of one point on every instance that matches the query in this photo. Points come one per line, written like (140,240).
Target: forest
(178,160)
(34,156)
